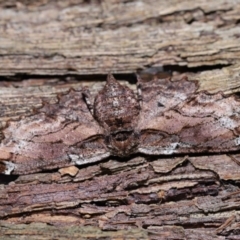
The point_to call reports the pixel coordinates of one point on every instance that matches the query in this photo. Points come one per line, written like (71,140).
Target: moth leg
(6,167)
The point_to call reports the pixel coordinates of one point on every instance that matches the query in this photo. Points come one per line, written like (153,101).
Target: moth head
(116,106)
(122,143)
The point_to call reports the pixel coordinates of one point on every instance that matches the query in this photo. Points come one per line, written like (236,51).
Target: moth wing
(177,119)
(58,135)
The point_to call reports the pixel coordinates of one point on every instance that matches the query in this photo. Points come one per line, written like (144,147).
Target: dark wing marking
(176,119)
(58,135)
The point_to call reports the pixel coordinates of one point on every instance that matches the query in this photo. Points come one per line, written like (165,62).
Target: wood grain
(47,47)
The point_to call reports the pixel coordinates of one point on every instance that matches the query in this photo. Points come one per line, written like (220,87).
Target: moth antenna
(88,101)
(139,89)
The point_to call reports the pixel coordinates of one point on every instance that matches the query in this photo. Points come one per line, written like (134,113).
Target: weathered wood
(179,197)
(73,37)
(44,231)
(187,191)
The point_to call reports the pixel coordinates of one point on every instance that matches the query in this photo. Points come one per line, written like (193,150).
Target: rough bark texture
(47,47)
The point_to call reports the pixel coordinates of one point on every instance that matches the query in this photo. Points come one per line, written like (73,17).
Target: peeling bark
(47,46)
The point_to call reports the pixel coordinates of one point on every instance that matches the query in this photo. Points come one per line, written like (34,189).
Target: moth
(165,117)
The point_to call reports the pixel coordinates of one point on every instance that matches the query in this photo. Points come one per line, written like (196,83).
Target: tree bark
(48,47)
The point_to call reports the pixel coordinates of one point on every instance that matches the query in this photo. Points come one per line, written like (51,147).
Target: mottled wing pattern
(176,119)
(58,135)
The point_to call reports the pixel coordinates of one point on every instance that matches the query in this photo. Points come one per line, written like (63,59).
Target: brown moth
(167,117)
